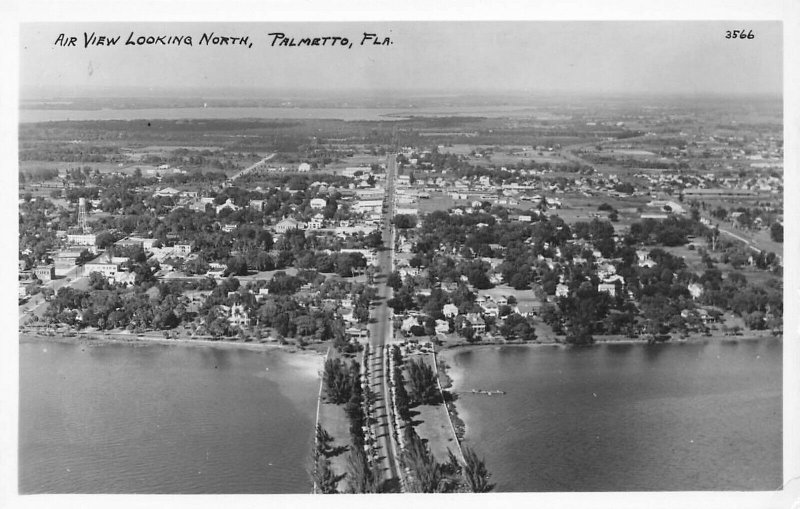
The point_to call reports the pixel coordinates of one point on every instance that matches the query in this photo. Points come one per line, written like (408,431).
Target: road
(252,167)
(36,304)
(380,337)
(751,240)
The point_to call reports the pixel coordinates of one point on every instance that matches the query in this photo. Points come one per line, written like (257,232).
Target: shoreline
(28,337)
(695,339)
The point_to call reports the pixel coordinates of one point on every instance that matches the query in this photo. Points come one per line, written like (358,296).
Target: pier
(485,392)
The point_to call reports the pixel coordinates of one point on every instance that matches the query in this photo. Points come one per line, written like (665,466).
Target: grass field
(435,423)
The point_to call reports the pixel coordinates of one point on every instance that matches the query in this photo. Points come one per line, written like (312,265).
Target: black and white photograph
(379,255)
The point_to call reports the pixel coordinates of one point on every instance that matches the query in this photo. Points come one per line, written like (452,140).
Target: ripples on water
(626,417)
(163,419)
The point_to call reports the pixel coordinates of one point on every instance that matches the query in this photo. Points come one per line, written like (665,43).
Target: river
(165,419)
(30,115)
(689,417)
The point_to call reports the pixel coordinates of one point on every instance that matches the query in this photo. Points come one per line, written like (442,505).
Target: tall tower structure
(82,214)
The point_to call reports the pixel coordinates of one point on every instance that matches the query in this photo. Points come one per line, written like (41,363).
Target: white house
(82,239)
(477,323)
(318,203)
(287,224)
(695,290)
(167,192)
(442,327)
(227,205)
(450,310)
(317,222)
(239,316)
(408,323)
(490,309)
(608,288)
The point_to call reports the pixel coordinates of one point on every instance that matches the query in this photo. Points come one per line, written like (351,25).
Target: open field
(522,296)
(439,201)
(333,419)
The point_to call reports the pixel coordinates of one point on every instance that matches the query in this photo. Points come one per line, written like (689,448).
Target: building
(407,211)
(369,255)
(351,171)
(357,333)
(318,203)
(348,314)
(477,323)
(82,239)
(608,288)
(718,193)
(238,316)
(317,222)
(562,290)
(167,192)
(450,310)
(147,244)
(367,206)
(695,290)
(182,249)
(65,261)
(257,205)
(491,309)
(370,193)
(408,323)
(442,327)
(104,265)
(227,205)
(304,167)
(289,224)
(45,273)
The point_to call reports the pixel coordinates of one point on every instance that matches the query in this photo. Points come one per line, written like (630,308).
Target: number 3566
(739,34)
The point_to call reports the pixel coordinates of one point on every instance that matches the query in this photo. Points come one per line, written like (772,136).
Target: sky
(684,57)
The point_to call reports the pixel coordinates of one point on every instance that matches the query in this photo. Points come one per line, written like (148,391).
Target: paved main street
(381,336)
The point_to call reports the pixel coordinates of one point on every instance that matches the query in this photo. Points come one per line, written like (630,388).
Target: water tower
(82,214)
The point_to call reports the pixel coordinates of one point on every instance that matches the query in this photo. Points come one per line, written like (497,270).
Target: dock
(485,392)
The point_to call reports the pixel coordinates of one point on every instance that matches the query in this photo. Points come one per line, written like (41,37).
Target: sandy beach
(307,362)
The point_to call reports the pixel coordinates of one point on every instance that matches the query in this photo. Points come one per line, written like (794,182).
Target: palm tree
(427,473)
(325,480)
(475,473)
(360,477)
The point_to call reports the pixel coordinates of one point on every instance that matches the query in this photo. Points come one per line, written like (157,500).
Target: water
(626,417)
(27,115)
(164,419)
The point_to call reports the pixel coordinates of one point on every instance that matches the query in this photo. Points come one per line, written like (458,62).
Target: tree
(237,266)
(338,382)
(422,382)
(475,473)
(395,280)
(360,477)
(104,240)
(427,473)
(361,313)
(776,232)
(97,281)
(405,221)
(84,257)
(517,327)
(325,480)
